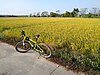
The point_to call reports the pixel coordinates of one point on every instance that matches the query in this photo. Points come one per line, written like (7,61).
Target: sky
(19,7)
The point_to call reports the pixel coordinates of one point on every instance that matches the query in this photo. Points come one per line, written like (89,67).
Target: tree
(44,14)
(66,14)
(99,12)
(34,14)
(38,14)
(58,13)
(94,10)
(52,14)
(75,12)
(72,14)
(83,11)
(89,15)
(30,15)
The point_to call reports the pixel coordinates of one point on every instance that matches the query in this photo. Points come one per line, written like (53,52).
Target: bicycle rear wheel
(45,50)
(22,47)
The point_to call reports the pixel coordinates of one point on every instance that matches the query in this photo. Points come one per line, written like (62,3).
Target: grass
(76,40)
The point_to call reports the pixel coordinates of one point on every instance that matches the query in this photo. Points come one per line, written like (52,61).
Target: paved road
(14,63)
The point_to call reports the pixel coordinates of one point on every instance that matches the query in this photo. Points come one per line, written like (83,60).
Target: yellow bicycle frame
(33,46)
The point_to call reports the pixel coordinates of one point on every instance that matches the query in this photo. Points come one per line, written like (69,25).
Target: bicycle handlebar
(23,33)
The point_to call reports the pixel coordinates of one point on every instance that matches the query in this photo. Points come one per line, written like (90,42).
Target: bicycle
(27,44)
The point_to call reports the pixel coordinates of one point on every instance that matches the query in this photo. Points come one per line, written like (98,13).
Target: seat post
(37,36)
(36,39)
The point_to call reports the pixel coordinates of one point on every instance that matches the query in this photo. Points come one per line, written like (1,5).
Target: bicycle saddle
(37,36)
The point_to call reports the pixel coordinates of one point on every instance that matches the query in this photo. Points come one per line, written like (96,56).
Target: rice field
(80,35)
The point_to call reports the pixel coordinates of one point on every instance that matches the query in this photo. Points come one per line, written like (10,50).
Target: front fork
(23,42)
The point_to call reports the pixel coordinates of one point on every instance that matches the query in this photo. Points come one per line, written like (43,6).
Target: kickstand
(39,56)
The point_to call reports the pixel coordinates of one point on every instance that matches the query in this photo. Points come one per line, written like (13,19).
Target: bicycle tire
(22,48)
(46,50)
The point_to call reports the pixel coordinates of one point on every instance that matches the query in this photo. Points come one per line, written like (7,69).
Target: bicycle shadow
(31,51)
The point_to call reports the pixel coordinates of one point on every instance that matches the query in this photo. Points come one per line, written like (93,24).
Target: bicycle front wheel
(23,47)
(46,51)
